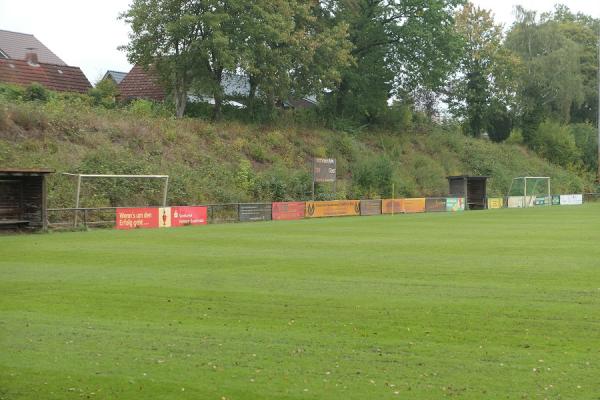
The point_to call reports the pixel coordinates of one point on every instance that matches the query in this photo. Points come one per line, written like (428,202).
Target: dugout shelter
(23,198)
(472,188)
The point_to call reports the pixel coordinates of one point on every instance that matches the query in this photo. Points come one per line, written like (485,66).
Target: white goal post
(529,188)
(81,176)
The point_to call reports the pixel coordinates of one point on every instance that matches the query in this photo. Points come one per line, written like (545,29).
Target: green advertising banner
(556,200)
(455,204)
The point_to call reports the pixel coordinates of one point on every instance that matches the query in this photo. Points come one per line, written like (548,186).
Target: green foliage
(232,162)
(586,140)
(372,178)
(36,92)
(105,93)
(484,83)
(500,123)
(10,92)
(556,143)
(396,49)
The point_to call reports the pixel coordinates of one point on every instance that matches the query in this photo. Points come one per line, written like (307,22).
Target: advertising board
(336,208)
(370,207)
(132,218)
(288,211)
(455,204)
(416,205)
(324,170)
(251,212)
(435,204)
(495,203)
(571,199)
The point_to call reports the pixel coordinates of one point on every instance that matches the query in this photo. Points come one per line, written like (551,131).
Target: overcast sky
(86,33)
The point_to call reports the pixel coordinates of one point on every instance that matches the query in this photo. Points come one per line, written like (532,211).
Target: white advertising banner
(571,199)
(521,201)
(516,202)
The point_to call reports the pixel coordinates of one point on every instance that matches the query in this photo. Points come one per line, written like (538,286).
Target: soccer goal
(530,191)
(79,178)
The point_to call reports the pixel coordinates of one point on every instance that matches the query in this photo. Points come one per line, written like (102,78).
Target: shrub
(586,140)
(11,92)
(105,93)
(556,143)
(141,108)
(372,177)
(36,92)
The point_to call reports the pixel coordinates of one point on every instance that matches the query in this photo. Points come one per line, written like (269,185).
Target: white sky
(86,33)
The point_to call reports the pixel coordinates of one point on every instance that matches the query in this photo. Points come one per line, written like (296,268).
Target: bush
(586,140)
(372,177)
(105,93)
(11,93)
(36,92)
(556,143)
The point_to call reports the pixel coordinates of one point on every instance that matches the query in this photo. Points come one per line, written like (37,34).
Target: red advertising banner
(131,218)
(163,217)
(182,216)
(288,211)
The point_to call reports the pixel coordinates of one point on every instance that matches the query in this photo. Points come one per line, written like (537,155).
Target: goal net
(530,191)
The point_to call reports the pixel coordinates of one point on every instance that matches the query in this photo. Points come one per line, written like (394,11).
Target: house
(25,60)
(115,76)
(141,84)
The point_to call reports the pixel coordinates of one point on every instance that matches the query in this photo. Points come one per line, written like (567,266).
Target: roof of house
(55,77)
(235,85)
(141,84)
(115,76)
(25,171)
(15,45)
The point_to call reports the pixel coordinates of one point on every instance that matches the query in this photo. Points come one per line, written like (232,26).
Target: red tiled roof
(55,77)
(141,84)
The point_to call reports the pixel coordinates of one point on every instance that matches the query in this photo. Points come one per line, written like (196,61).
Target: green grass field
(478,305)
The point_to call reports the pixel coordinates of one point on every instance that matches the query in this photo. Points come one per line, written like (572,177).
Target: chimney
(32,58)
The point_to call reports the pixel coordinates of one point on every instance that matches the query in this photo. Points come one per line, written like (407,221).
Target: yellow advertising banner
(496,202)
(403,206)
(336,208)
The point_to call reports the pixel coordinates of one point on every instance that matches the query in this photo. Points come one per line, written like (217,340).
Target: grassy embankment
(231,161)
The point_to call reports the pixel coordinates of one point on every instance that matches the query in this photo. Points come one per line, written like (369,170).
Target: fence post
(85,218)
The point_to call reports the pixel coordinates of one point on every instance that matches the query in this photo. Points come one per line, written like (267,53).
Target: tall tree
(398,45)
(482,91)
(551,84)
(288,49)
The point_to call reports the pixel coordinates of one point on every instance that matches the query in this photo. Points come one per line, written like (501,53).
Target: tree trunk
(218,94)
(218,105)
(180,102)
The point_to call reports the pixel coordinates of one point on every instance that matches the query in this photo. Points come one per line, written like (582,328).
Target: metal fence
(105,217)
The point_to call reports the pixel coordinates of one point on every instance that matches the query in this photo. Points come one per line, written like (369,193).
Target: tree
(397,46)
(186,41)
(288,49)
(551,83)
(482,91)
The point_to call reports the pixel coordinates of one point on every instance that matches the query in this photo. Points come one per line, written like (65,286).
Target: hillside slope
(231,162)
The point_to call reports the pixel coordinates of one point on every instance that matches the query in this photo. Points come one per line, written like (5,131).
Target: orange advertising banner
(416,205)
(337,208)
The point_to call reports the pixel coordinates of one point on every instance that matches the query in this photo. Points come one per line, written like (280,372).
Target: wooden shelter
(472,188)
(23,198)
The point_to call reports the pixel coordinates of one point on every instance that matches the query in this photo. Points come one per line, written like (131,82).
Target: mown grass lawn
(474,305)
